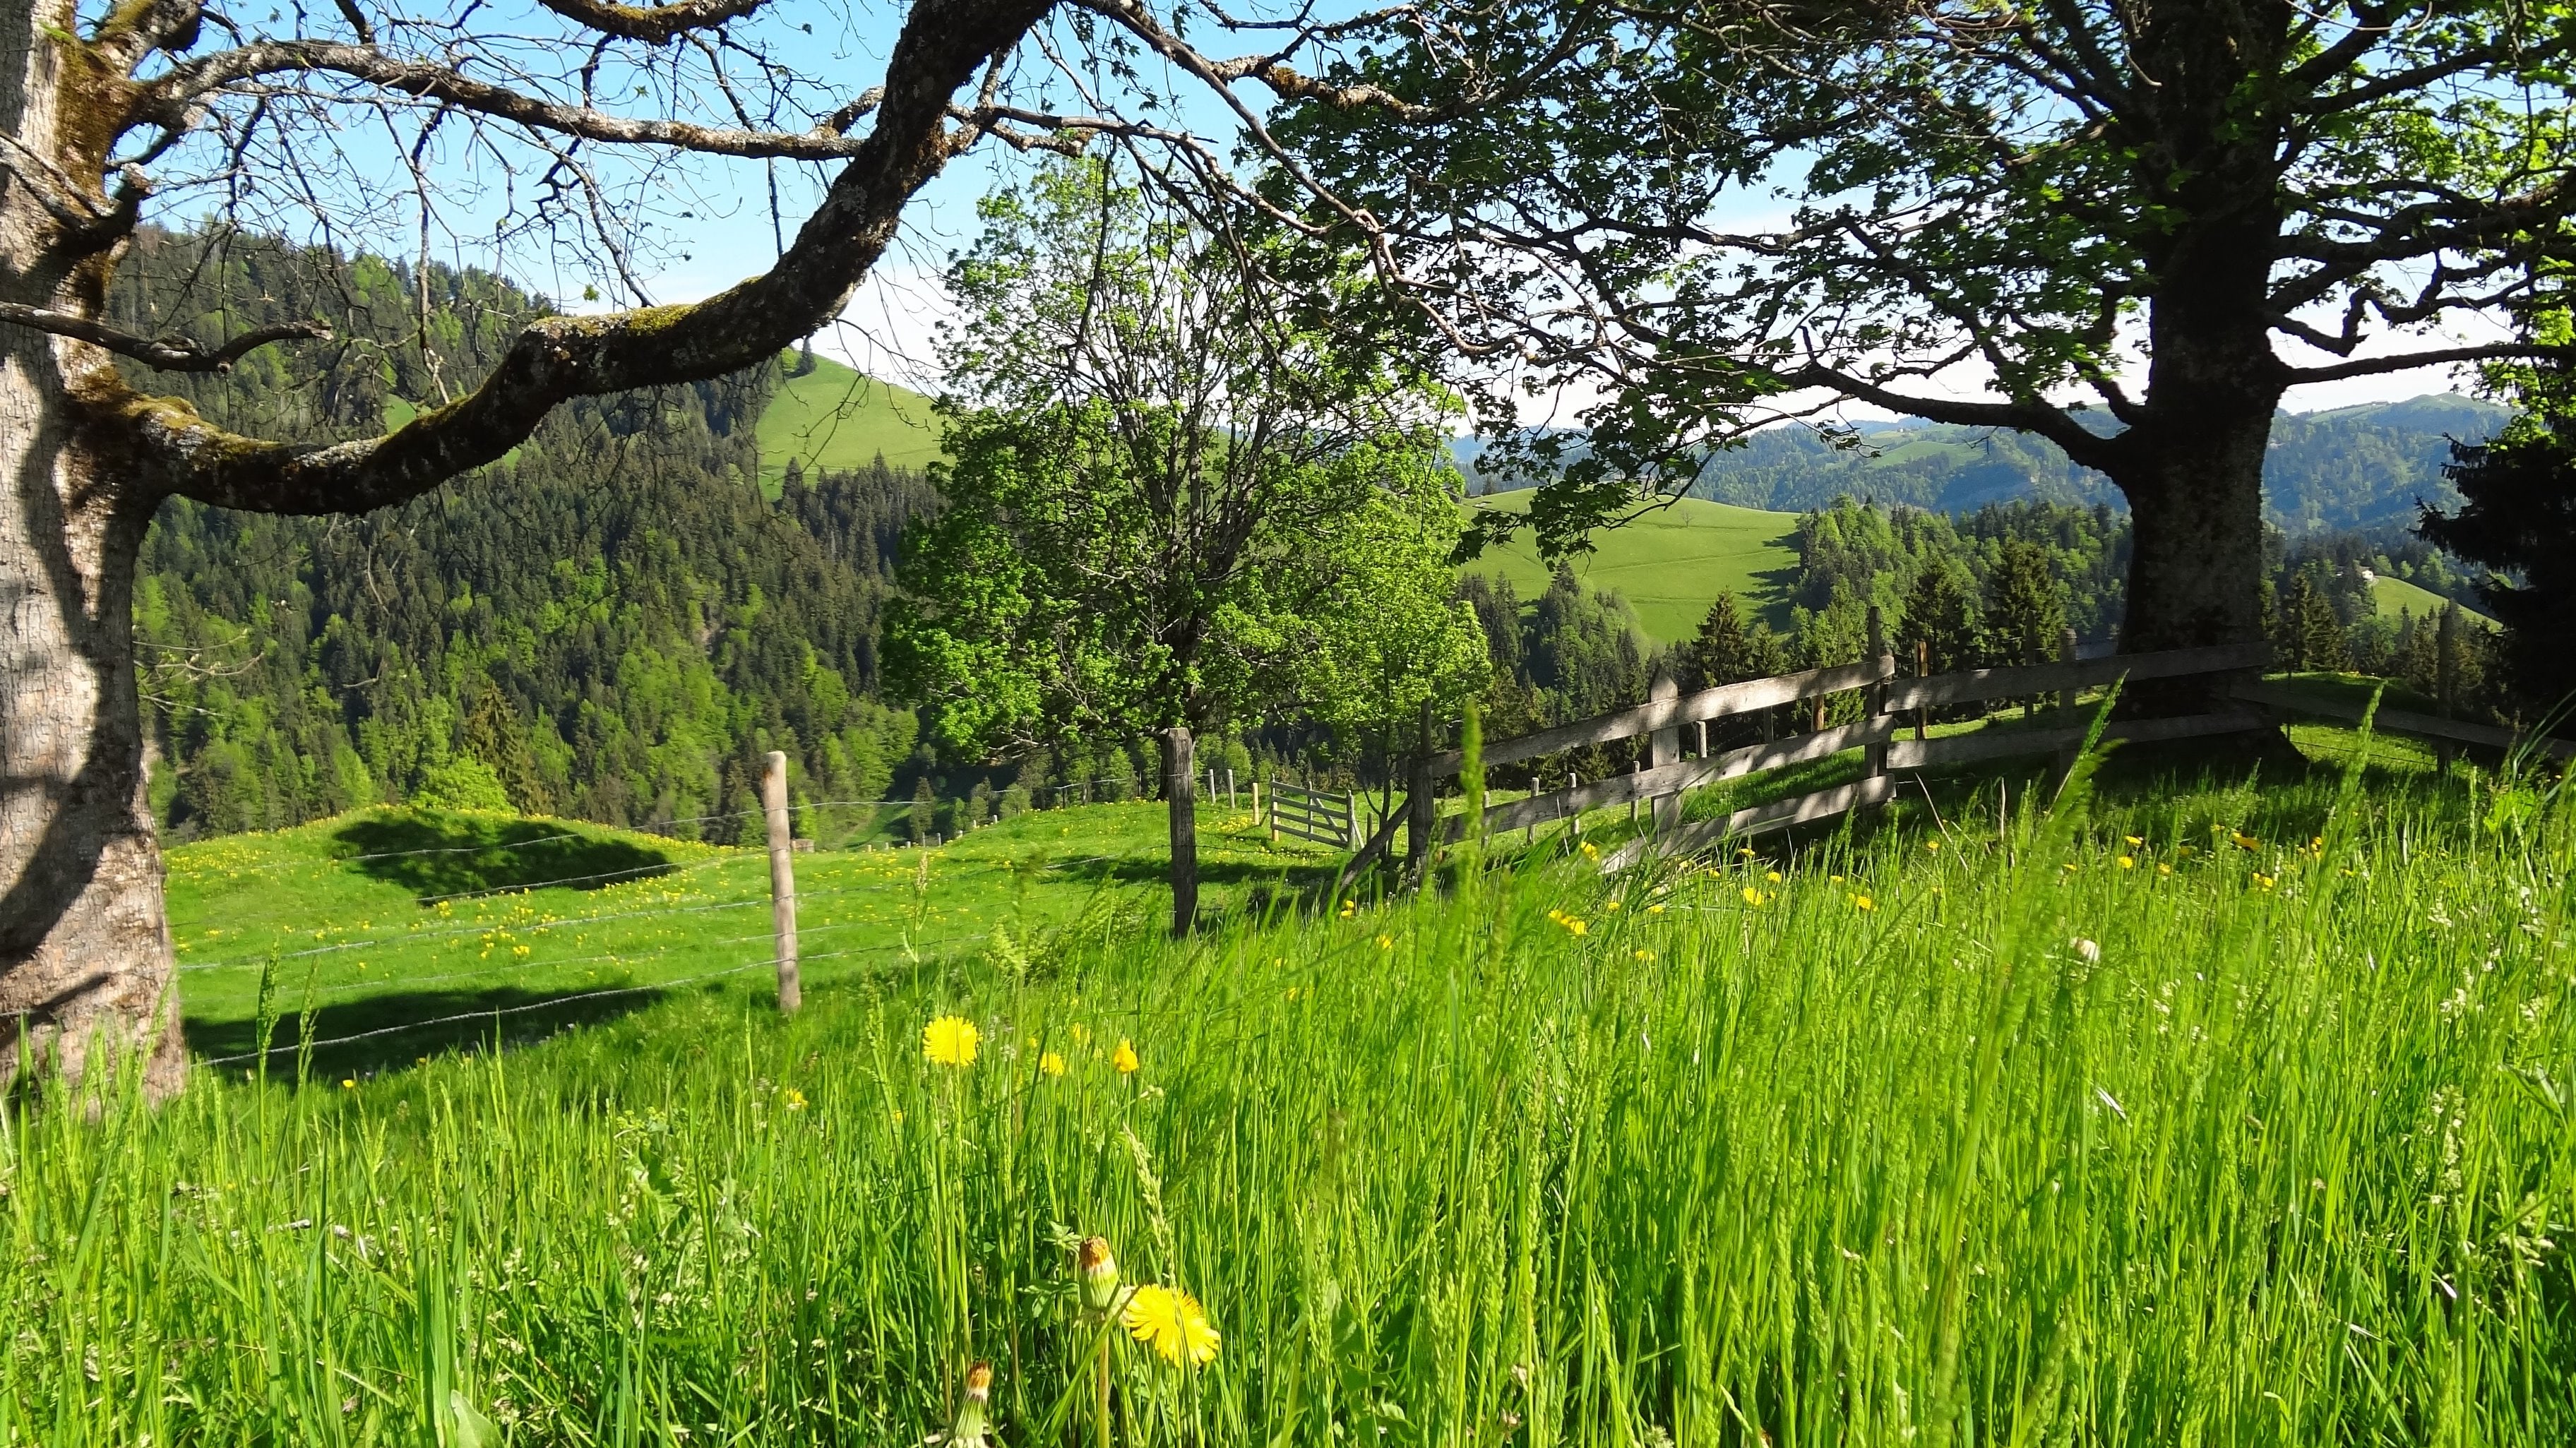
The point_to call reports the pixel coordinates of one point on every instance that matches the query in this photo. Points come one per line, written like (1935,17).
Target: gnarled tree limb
(170,354)
(657,25)
(943,45)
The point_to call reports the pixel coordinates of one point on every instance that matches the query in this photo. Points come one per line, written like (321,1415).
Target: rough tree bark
(85,957)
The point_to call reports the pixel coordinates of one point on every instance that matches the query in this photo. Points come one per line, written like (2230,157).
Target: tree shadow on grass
(433,853)
(415,1024)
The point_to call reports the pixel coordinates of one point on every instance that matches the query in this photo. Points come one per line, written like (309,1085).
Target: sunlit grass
(2225,1115)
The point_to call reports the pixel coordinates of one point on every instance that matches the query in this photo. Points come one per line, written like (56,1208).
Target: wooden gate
(1313,814)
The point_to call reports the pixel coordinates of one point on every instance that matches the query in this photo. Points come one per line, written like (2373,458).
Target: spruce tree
(925,810)
(1723,651)
(2027,613)
(2312,636)
(1941,615)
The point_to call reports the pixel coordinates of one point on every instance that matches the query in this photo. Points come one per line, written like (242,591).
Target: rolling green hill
(2395,596)
(836,418)
(1671,564)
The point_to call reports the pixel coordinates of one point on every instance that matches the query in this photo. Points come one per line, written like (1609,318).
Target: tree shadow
(434,853)
(416,1024)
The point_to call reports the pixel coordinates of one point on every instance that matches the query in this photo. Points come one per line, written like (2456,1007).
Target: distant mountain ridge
(2346,467)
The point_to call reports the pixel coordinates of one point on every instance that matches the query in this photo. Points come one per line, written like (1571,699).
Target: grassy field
(2211,1114)
(834,417)
(1671,564)
(2395,596)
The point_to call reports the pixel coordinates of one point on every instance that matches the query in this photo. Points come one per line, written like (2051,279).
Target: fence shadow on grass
(518,1016)
(433,853)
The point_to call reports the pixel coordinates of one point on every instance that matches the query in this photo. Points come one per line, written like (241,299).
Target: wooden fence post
(1662,748)
(1874,757)
(1922,670)
(782,880)
(1420,819)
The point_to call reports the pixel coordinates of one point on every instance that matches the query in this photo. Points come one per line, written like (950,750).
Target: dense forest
(612,622)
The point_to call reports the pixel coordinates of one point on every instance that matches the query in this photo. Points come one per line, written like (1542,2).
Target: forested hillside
(2349,468)
(610,623)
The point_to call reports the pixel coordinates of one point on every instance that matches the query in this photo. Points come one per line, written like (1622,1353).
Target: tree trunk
(1180,795)
(85,960)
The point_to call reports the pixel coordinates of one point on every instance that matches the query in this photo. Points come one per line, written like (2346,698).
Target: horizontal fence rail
(1723,702)
(2289,700)
(1972,685)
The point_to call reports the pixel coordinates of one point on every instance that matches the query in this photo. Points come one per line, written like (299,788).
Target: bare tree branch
(170,354)
(655,26)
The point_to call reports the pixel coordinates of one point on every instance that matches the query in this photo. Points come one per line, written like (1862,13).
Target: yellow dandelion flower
(1171,1322)
(1613,905)
(1124,1058)
(348,1083)
(1051,1063)
(2134,839)
(1932,845)
(1591,851)
(793,1099)
(1833,879)
(950,1041)
(2128,862)
(1577,927)
(2071,867)
(2164,869)
(1654,909)
(1745,853)
(2263,880)
(1773,877)
(1386,942)
(1863,902)
(1752,896)
(2248,842)
(1645,955)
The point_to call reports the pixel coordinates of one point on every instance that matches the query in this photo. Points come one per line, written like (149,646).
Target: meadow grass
(2213,1115)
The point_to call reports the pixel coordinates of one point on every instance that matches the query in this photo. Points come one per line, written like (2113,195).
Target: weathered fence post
(2446,676)
(1180,786)
(1874,756)
(1664,747)
(1922,670)
(1419,816)
(782,880)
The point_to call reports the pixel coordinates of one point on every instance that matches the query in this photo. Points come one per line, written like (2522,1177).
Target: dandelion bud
(1099,1274)
(969,1430)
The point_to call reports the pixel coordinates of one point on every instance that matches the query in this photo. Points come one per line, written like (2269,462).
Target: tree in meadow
(2133,226)
(1174,476)
(2311,633)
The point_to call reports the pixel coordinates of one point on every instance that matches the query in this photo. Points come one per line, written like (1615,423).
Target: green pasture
(2395,596)
(837,418)
(1670,564)
(2222,1110)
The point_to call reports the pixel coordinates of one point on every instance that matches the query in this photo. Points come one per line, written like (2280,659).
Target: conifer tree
(1941,614)
(2028,611)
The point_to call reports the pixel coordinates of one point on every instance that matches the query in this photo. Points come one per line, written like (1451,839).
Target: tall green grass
(2013,1132)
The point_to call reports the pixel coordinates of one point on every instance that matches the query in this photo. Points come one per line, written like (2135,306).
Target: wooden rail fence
(1892,736)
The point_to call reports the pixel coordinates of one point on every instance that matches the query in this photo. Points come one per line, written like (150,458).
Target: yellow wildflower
(1124,1058)
(2134,839)
(1752,896)
(1051,1063)
(1171,1322)
(2164,869)
(1591,851)
(793,1099)
(1575,926)
(2248,842)
(950,1041)
(1932,845)
(1772,876)
(2128,862)
(1386,942)
(1645,955)
(1863,902)
(2263,880)
(1613,905)
(1654,909)
(349,1083)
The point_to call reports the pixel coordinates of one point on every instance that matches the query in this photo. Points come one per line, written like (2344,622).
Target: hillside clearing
(1670,564)
(835,418)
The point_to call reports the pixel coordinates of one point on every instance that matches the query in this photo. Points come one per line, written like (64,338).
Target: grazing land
(1672,563)
(835,418)
(2220,1112)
